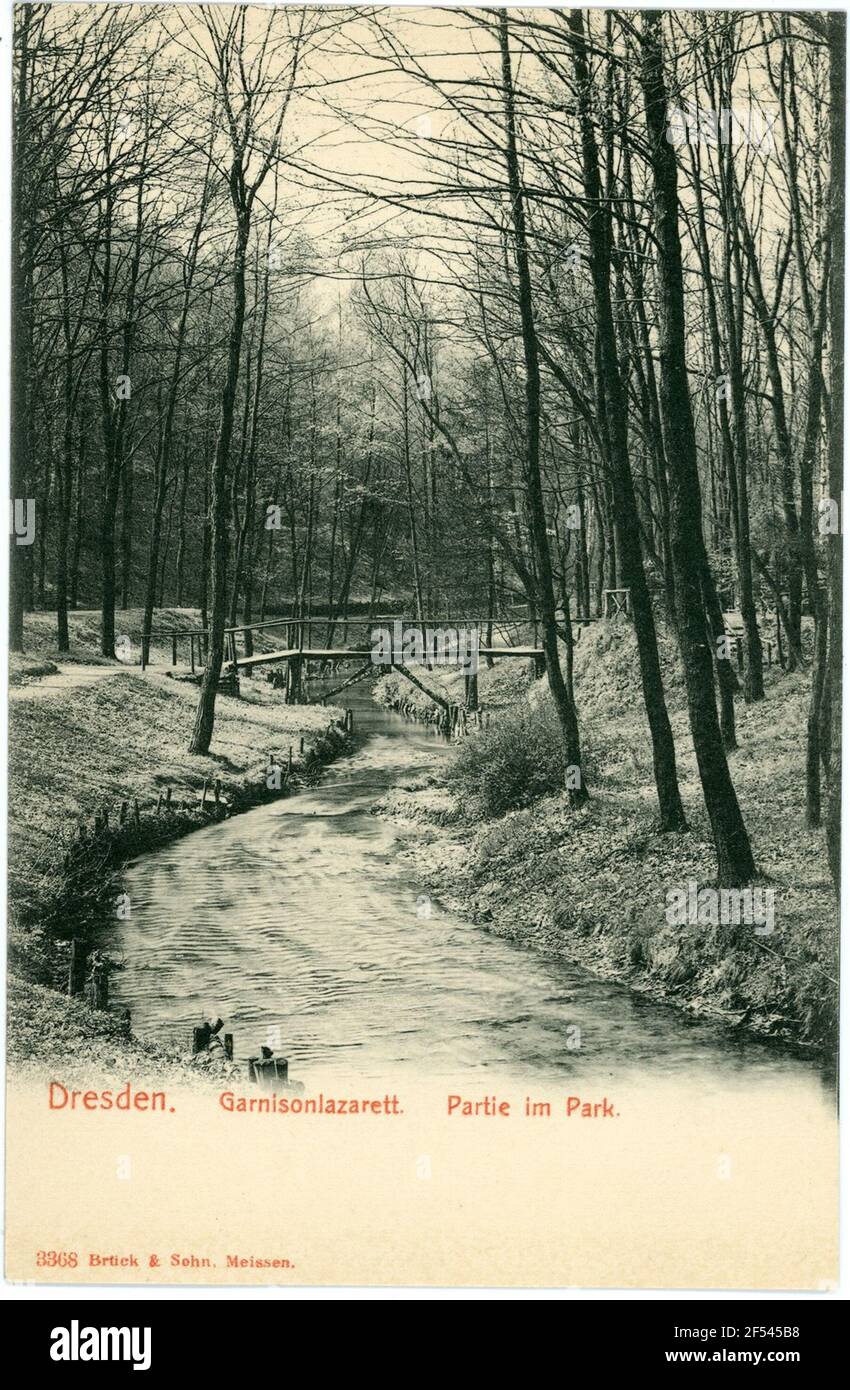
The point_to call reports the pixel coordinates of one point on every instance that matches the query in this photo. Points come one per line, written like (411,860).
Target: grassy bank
(78,751)
(84,634)
(52,1037)
(499,844)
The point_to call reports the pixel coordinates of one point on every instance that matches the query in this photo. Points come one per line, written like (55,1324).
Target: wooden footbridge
(327,645)
(294,646)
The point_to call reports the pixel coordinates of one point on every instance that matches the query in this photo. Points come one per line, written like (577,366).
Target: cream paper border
(688,1186)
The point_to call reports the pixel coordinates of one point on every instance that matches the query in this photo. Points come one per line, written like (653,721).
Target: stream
(300,924)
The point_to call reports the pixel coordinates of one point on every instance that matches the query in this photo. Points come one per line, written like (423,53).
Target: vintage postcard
(425,646)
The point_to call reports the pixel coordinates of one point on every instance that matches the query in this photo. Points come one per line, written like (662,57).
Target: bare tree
(253,101)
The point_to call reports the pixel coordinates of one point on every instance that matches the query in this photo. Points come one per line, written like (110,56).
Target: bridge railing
(318,631)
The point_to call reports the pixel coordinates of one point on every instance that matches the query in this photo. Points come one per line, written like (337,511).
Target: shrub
(518,759)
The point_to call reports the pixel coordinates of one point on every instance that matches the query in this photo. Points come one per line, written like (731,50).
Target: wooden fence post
(266,1069)
(295,665)
(77,967)
(99,985)
(174,649)
(472,690)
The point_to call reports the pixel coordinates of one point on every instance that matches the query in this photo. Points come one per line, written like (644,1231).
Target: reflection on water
(301,916)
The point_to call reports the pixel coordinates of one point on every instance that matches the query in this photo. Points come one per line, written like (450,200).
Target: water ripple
(301,916)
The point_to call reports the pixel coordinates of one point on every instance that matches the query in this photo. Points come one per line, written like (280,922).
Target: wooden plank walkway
(307,654)
(244,663)
(527,652)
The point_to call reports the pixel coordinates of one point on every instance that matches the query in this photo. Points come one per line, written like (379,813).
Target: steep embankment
(84,748)
(593,885)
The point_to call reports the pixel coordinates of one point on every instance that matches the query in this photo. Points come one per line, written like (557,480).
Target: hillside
(592,885)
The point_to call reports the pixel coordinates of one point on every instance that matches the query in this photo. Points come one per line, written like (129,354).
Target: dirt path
(67,678)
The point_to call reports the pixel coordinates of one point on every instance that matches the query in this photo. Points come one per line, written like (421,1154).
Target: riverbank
(52,1037)
(82,752)
(592,886)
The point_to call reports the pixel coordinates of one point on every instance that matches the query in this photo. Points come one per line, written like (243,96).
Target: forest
(333,312)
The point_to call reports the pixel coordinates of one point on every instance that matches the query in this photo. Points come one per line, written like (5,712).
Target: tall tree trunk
(160,481)
(220,498)
(126,531)
(180,567)
(21,263)
(21,436)
(411,501)
(577,794)
(615,409)
(244,562)
(735,865)
(727,681)
(46,506)
(766,318)
(164,444)
(206,553)
(65,472)
(65,491)
(810,565)
(837,32)
(107,565)
(166,548)
(79,513)
(813,724)
(112,399)
(732,277)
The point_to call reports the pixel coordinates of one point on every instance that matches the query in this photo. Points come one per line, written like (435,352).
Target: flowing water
(301,925)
